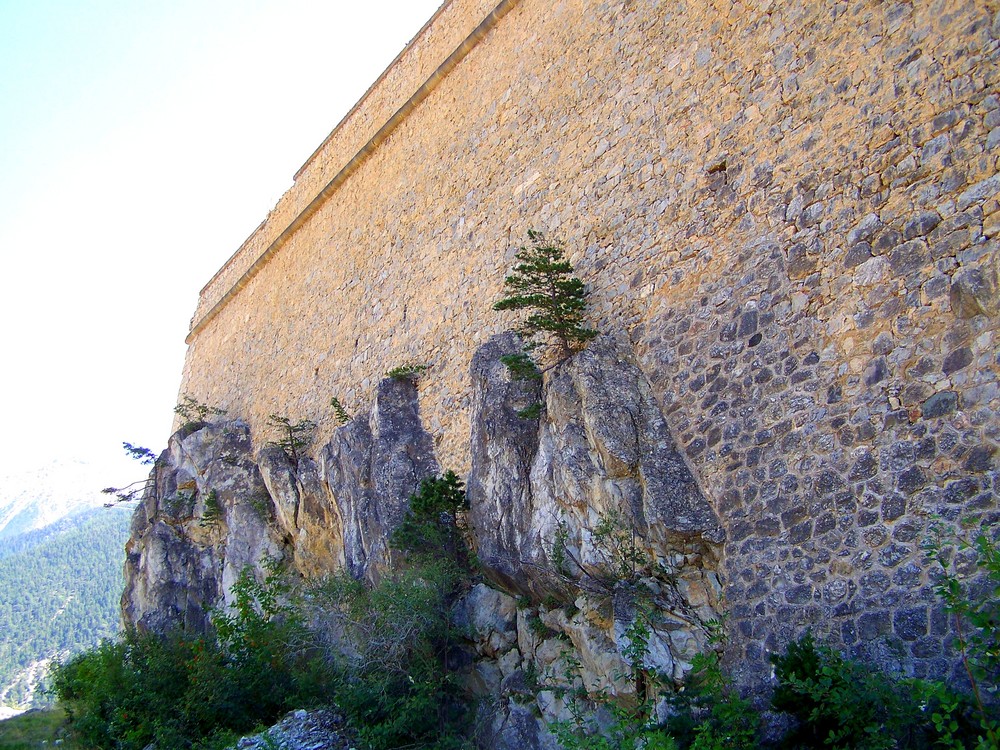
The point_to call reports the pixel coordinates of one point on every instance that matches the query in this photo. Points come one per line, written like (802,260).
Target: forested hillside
(59,592)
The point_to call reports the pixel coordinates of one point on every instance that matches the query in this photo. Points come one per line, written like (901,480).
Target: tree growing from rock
(294,438)
(543,283)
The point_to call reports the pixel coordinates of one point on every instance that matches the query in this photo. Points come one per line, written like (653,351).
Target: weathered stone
(304,730)
(975,290)
(178,565)
(871,272)
(857,254)
(372,465)
(980,458)
(940,404)
(910,623)
(911,480)
(876,372)
(865,229)
(909,257)
(979,192)
(503,449)
(957,360)
(921,225)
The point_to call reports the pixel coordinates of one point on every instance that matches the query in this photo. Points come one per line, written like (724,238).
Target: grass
(37,729)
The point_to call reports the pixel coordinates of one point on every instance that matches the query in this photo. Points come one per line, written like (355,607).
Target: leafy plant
(408,370)
(430,528)
(634,723)
(179,691)
(294,437)
(394,642)
(973,600)
(339,411)
(134,490)
(521,366)
(839,702)
(542,282)
(193,412)
(142,455)
(530,412)
(710,714)
(622,559)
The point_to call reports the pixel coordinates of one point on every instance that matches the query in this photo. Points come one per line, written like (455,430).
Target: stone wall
(790,210)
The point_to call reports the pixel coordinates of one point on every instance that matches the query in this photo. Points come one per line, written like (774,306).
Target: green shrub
(710,714)
(842,703)
(408,370)
(193,412)
(339,411)
(179,691)
(972,598)
(394,643)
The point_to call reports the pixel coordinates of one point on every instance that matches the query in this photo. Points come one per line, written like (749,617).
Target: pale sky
(140,143)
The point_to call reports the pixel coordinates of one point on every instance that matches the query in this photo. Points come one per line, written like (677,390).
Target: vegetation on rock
(293,437)
(393,645)
(543,283)
(193,412)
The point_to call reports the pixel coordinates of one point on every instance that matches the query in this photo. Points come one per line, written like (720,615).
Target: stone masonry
(791,212)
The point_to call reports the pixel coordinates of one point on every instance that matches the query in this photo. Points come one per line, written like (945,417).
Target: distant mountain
(34,499)
(60,588)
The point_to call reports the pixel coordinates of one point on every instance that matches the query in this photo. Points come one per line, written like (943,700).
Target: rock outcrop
(205,516)
(302,730)
(372,466)
(585,518)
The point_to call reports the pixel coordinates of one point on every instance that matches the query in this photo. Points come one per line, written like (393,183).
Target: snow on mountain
(33,499)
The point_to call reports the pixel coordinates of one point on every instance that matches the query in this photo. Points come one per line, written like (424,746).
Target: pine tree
(543,282)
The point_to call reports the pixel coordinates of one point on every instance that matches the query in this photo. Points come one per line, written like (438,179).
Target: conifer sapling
(543,283)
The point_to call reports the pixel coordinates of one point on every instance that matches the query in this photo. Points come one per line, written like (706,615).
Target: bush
(839,703)
(179,691)
(395,647)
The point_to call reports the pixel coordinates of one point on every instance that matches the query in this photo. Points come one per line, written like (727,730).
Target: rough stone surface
(601,448)
(503,449)
(178,565)
(372,465)
(709,167)
(302,730)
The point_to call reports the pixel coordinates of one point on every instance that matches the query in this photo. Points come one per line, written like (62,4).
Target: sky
(140,143)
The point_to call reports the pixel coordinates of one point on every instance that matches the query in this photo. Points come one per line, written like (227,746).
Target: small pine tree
(543,282)
(339,411)
(193,412)
(213,510)
(295,436)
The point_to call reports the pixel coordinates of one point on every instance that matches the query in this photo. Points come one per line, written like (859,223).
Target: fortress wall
(426,51)
(781,206)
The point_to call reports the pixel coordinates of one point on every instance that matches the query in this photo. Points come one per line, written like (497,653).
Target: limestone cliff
(575,515)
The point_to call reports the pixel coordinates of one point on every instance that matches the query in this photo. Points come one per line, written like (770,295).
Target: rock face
(585,518)
(590,509)
(601,450)
(302,730)
(319,515)
(181,561)
(372,466)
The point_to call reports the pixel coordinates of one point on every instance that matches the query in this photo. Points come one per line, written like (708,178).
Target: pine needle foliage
(294,437)
(339,411)
(192,412)
(543,283)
